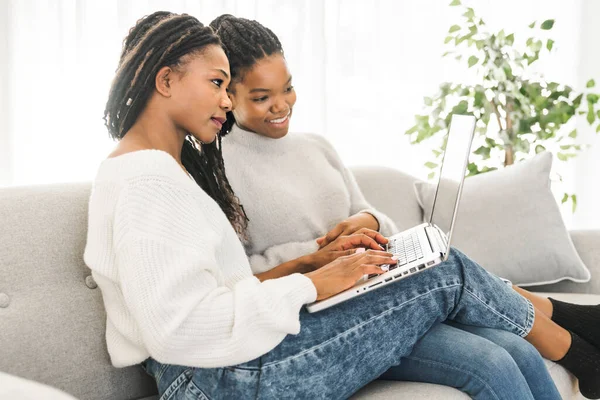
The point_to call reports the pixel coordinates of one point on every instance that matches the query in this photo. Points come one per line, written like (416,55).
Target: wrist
(305,264)
(373,220)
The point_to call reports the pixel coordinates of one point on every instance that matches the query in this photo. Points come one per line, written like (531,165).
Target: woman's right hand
(344,272)
(344,246)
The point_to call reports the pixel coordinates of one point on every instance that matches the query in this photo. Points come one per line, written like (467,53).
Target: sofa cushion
(508,221)
(390,191)
(385,390)
(13,387)
(53,319)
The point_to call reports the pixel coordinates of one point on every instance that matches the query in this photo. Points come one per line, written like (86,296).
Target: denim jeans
(484,363)
(343,348)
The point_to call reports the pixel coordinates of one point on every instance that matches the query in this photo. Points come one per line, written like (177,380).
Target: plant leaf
(590,116)
(430,165)
(532,25)
(564,199)
(412,130)
(455,3)
(472,61)
(573,134)
(590,83)
(510,39)
(483,151)
(454,28)
(574,199)
(547,24)
(549,44)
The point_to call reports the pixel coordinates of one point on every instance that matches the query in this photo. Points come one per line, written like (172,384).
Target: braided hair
(158,40)
(245,43)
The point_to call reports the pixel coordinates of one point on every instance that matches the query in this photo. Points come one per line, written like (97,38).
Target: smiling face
(198,98)
(264,98)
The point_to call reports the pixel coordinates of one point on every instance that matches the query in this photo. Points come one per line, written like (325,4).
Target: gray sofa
(52,318)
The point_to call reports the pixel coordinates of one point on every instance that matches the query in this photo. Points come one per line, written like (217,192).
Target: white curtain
(361,69)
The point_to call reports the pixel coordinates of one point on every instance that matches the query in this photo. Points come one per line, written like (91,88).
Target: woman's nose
(279,106)
(226,103)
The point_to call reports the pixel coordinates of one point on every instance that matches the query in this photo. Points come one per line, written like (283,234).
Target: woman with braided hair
(180,296)
(449,354)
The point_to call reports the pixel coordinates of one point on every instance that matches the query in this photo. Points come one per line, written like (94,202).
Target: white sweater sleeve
(281,253)
(387,227)
(170,280)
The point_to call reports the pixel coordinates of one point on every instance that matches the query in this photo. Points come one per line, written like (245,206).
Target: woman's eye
(217,82)
(289,89)
(260,99)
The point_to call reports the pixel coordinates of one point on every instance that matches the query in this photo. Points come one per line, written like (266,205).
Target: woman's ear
(163,81)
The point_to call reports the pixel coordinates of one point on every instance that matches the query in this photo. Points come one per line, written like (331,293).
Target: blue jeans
(484,363)
(343,348)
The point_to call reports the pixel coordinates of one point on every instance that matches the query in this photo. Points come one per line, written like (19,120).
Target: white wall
(6,164)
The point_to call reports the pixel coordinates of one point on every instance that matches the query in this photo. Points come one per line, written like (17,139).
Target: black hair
(245,43)
(158,40)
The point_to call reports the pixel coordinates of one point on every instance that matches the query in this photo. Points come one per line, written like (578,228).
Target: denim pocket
(193,392)
(177,383)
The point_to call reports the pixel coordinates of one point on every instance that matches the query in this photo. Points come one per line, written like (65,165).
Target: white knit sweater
(294,190)
(175,280)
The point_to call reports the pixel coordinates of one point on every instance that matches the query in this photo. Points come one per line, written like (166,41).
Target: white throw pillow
(509,222)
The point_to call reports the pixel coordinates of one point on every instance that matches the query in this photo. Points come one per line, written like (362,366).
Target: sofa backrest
(391,192)
(52,320)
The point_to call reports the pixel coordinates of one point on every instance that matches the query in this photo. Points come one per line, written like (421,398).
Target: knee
(497,364)
(457,261)
(524,354)
(459,256)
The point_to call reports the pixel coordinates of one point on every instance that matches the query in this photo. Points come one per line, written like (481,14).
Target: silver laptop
(426,245)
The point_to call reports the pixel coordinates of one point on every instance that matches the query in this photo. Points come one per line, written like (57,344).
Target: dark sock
(583,361)
(580,319)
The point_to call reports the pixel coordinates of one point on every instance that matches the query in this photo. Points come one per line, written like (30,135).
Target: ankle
(564,342)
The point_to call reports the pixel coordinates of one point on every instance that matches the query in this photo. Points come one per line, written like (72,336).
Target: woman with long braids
(449,354)
(179,292)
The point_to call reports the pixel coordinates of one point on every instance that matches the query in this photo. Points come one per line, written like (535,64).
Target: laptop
(427,245)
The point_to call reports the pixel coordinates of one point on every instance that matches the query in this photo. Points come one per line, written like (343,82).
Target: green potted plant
(519,113)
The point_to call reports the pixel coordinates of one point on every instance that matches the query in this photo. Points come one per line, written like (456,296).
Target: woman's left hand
(362,220)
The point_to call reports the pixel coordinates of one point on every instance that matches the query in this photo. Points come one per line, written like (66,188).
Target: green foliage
(519,114)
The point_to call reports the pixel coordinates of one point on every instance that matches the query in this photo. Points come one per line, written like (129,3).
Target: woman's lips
(218,121)
(280,121)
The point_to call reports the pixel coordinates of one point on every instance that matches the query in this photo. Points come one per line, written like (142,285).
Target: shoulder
(310,140)
(141,166)
(146,179)
(316,143)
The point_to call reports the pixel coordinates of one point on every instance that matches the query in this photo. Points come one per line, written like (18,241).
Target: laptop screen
(452,173)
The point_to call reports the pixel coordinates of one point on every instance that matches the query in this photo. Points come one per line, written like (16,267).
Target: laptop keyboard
(407,248)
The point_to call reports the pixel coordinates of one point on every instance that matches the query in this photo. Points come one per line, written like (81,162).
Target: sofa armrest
(587,243)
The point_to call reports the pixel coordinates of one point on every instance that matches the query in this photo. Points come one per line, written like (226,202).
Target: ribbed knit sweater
(294,190)
(175,280)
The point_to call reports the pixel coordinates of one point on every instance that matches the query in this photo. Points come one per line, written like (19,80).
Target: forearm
(301,265)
